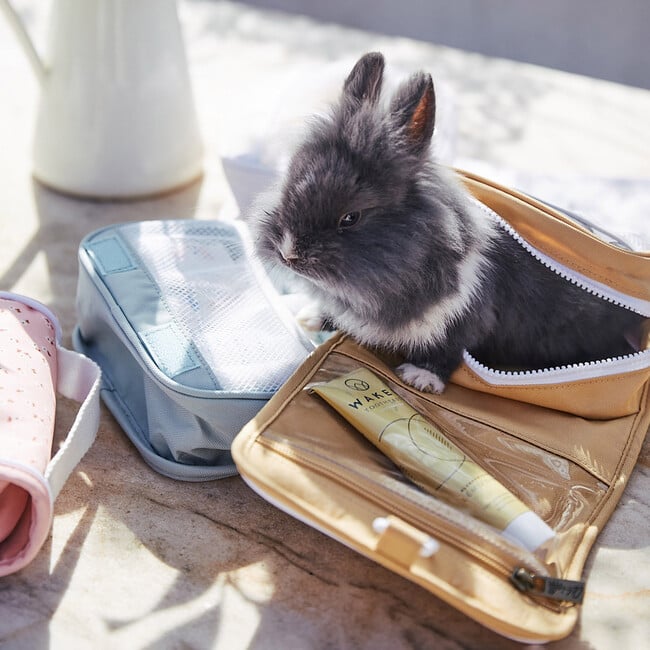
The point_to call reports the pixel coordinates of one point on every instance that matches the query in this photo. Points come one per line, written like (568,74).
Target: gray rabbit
(402,259)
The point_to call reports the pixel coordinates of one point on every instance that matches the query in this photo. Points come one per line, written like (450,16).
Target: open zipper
(572,372)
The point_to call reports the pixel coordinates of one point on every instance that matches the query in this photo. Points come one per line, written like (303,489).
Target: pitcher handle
(24,39)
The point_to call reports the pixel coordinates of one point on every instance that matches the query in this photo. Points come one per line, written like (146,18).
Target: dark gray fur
(418,228)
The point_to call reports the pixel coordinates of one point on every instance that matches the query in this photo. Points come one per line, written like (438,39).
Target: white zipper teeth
(587,284)
(572,372)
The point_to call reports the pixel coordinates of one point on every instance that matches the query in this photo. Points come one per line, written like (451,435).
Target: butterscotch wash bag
(562,442)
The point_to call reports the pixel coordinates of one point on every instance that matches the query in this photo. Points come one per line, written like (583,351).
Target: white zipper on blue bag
(572,372)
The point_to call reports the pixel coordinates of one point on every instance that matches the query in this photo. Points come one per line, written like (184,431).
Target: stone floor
(136,560)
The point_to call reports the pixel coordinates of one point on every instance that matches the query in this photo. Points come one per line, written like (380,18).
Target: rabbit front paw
(421,378)
(311,318)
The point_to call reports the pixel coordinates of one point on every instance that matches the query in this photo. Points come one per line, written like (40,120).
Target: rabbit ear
(413,112)
(364,82)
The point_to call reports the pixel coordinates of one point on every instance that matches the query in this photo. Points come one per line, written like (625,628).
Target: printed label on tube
(432,461)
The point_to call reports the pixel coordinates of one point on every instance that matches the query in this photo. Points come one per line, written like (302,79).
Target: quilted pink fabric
(28,373)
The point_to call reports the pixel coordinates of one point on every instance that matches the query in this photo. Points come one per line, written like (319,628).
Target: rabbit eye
(348,220)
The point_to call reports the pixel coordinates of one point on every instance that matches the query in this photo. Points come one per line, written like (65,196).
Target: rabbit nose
(291,261)
(287,248)
(288,256)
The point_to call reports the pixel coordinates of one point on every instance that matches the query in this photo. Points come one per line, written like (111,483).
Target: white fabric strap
(79,378)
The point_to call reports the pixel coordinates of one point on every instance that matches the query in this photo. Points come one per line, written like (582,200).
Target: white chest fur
(427,328)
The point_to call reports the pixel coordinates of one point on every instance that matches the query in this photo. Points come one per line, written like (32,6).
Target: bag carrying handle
(80,380)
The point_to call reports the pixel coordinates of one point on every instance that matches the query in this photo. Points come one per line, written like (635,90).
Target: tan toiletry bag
(563,440)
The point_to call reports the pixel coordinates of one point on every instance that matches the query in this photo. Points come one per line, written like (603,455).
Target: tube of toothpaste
(427,457)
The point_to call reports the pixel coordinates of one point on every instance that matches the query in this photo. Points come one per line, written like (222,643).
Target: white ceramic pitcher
(116,117)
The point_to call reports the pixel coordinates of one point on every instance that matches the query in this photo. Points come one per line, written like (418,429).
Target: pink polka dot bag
(34,368)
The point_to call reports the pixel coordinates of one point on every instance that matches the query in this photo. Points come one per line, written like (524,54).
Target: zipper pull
(570,591)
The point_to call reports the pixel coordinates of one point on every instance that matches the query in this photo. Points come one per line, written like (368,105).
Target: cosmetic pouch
(191,336)
(34,368)
(563,440)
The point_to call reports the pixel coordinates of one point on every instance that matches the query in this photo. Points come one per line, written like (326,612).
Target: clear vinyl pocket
(562,465)
(306,459)
(556,486)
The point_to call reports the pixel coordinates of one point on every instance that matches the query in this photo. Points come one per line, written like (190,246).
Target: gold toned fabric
(565,449)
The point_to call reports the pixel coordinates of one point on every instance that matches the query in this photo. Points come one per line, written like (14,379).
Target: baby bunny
(400,257)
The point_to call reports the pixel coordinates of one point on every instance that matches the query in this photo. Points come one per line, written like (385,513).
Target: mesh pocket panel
(215,298)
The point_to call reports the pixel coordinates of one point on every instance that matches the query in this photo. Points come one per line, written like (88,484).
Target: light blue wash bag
(190,334)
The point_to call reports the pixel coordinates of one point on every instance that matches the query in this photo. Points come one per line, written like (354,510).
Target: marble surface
(136,560)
